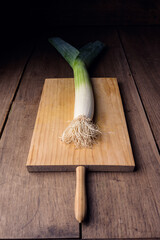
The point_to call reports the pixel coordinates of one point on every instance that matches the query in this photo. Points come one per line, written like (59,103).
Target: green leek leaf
(69,52)
(90,51)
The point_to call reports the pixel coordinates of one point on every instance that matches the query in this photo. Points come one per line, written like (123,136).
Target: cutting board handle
(80,196)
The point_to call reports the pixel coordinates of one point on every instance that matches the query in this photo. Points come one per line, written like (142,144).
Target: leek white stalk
(84,100)
(81,131)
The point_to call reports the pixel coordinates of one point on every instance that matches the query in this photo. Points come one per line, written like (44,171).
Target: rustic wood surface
(12,64)
(56,110)
(31,206)
(122,205)
(143,54)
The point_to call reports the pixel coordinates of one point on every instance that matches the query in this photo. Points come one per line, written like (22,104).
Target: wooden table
(122,205)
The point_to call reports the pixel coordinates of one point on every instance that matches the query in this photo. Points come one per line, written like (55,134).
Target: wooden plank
(125,205)
(12,63)
(142,49)
(56,108)
(52,66)
(32,205)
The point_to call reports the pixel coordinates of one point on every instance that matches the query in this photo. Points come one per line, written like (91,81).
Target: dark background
(27,19)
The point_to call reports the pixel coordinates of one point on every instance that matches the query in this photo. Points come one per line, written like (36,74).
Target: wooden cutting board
(112,152)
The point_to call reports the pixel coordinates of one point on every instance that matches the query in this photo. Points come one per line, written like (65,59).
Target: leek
(81,131)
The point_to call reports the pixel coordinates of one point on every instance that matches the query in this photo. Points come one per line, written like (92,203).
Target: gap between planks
(129,66)
(15,93)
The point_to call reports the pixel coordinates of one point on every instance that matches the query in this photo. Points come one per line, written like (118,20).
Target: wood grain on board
(112,151)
